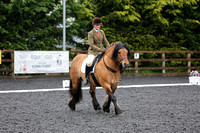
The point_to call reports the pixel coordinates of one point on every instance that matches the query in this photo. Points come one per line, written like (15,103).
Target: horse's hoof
(106,110)
(118,111)
(72,106)
(97,107)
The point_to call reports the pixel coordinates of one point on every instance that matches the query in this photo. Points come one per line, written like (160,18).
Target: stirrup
(85,81)
(87,72)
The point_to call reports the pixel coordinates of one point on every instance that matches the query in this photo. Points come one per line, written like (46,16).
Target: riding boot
(87,71)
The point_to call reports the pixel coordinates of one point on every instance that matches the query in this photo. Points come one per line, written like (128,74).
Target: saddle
(91,71)
(97,59)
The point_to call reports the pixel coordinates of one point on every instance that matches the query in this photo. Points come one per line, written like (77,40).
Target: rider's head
(97,23)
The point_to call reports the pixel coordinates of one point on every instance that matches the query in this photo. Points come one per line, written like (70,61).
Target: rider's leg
(87,71)
(90,60)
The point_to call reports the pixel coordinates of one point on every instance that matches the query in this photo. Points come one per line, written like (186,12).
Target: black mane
(118,47)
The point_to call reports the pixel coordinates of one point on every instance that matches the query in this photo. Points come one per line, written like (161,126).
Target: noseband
(118,62)
(125,57)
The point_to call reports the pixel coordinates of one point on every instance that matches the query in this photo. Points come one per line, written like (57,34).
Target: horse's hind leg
(75,92)
(94,99)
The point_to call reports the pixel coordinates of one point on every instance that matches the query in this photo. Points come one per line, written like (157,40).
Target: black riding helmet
(96,21)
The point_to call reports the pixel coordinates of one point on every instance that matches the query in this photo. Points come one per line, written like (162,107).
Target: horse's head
(121,53)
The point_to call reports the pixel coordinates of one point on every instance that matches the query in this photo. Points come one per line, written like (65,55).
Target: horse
(107,74)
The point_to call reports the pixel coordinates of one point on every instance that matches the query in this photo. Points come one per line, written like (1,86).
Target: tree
(36,25)
(144,24)
(30,25)
(150,25)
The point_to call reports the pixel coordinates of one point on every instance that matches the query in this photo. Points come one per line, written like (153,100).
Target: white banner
(41,62)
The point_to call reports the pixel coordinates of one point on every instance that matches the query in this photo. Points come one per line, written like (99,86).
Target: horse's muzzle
(125,65)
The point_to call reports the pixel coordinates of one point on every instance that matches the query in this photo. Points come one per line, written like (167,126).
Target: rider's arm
(105,40)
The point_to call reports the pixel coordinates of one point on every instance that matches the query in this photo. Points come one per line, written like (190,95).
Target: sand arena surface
(145,109)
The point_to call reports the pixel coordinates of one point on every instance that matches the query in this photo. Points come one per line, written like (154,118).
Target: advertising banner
(41,62)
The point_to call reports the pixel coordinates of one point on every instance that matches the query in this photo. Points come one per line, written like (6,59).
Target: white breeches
(90,60)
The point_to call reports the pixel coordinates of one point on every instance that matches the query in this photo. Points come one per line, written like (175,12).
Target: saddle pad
(83,66)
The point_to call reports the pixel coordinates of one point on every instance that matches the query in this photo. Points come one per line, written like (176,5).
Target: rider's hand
(103,50)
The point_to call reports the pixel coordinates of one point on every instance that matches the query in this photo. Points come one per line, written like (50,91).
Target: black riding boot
(87,71)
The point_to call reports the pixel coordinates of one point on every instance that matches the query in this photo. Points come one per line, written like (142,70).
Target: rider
(95,39)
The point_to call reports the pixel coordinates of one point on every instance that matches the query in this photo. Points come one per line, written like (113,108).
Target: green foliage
(27,25)
(35,24)
(144,24)
(150,25)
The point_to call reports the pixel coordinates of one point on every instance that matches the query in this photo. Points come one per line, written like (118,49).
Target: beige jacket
(95,42)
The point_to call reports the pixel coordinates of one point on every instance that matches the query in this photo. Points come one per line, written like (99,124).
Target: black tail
(77,96)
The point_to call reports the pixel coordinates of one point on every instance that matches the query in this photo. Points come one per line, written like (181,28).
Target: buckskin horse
(107,75)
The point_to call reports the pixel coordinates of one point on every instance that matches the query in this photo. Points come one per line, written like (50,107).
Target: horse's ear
(126,43)
(112,44)
(118,42)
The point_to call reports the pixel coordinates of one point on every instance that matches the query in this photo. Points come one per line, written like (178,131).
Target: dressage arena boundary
(86,88)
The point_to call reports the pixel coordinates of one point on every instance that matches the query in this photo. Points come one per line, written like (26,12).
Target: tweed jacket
(95,42)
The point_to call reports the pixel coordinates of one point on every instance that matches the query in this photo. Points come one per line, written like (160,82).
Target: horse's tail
(77,95)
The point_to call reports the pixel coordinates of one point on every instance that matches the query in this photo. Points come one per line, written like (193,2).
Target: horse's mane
(118,47)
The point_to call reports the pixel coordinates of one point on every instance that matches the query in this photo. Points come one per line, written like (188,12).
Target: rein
(110,69)
(113,59)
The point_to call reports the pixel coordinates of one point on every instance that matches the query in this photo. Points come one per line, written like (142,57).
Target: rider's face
(97,26)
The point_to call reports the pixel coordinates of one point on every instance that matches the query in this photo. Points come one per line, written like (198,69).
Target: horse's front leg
(106,104)
(114,100)
(111,97)
(94,99)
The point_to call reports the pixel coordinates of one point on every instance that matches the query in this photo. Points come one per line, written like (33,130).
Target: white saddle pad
(83,66)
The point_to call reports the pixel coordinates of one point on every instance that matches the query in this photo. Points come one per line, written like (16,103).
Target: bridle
(118,62)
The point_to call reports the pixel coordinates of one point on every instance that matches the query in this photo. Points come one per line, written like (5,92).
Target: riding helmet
(96,20)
